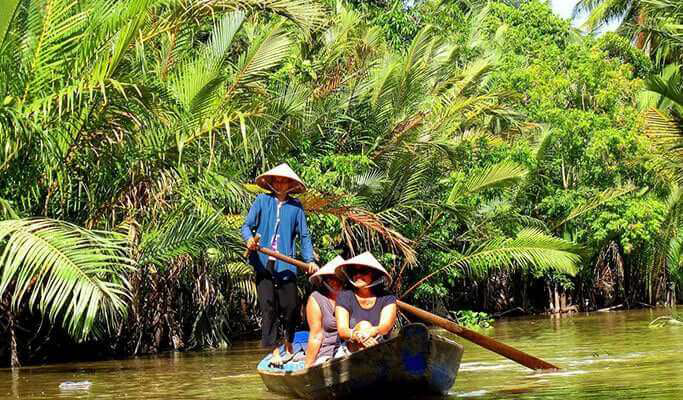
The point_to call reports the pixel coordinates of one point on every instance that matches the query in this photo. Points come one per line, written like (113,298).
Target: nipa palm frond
(8,10)
(497,175)
(67,273)
(197,81)
(596,201)
(307,14)
(366,227)
(531,248)
(181,234)
(240,275)
(265,53)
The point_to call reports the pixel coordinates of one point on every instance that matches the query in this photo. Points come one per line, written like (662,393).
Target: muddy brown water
(613,355)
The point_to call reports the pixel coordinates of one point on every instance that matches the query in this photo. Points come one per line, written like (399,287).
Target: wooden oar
(486,342)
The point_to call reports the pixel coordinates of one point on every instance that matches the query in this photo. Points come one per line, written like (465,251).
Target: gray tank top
(330,335)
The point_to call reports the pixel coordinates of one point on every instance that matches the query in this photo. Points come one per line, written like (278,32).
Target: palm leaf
(196,81)
(56,30)
(66,272)
(531,248)
(498,175)
(305,13)
(181,233)
(240,275)
(265,53)
(596,201)
(8,10)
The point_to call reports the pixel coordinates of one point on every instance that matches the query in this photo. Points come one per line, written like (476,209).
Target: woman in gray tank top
(323,339)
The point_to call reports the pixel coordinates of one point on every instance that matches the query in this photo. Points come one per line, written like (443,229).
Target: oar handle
(489,343)
(289,260)
(247,251)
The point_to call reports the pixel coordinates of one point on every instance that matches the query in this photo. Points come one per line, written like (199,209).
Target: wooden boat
(415,362)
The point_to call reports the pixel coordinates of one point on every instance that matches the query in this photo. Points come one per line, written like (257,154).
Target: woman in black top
(364,314)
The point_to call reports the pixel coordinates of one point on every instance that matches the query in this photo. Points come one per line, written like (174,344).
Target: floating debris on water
(476,393)
(234,376)
(478,366)
(82,385)
(558,373)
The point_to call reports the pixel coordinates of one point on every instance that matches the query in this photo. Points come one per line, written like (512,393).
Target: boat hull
(413,363)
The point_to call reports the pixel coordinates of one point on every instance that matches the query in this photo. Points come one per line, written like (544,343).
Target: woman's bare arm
(387,319)
(315,331)
(342,315)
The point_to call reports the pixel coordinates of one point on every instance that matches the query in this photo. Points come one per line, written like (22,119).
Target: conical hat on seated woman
(265,180)
(327,269)
(365,259)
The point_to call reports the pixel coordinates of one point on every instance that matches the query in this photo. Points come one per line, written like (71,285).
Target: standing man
(278,219)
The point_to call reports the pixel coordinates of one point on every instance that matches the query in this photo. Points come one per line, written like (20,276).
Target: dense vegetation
(493,156)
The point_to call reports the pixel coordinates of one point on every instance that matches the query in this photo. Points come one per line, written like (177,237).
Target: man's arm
(251,221)
(306,245)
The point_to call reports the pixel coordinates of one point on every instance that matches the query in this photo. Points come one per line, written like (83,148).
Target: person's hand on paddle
(312,267)
(369,341)
(364,334)
(252,243)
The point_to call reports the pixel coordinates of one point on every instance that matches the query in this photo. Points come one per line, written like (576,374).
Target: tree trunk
(640,22)
(6,307)
(671,295)
(11,328)
(556,297)
(563,301)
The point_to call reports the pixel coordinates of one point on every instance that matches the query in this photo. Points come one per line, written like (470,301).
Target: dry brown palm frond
(361,229)
(609,273)
(314,202)
(337,77)
(399,131)
(363,226)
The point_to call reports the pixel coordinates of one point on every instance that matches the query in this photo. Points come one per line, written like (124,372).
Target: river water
(612,355)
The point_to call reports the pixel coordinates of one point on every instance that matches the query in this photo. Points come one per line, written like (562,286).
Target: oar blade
(486,342)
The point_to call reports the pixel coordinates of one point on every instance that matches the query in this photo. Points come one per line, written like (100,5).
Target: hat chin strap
(275,191)
(330,288)
(379,281)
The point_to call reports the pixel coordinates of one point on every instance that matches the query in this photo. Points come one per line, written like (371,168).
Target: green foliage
(474,319)
(398,23)
(621,48)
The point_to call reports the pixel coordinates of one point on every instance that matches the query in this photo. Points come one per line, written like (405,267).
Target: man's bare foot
(289,347)
(275,359)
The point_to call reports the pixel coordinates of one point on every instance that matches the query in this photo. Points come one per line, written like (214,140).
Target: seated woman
(366,313)
(323,339)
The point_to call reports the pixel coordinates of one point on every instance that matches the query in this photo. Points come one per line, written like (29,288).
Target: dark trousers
(278,302)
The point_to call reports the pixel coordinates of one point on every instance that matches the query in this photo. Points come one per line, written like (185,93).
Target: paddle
(486,342)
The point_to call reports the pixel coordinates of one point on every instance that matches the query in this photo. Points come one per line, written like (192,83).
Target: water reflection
(603,355)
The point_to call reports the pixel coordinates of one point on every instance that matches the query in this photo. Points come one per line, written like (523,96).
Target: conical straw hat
(265,179)
(366,259)
(327,269)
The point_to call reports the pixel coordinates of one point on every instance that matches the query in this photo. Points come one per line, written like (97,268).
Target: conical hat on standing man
(265,180)
(365,259)
(327,269)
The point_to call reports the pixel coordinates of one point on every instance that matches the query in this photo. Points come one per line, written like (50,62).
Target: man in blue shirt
(278,219)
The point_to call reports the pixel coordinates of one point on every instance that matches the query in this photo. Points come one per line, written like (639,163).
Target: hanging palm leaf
(70,275)
(531,248)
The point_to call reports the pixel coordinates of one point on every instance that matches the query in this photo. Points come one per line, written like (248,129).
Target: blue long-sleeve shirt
(261,219)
